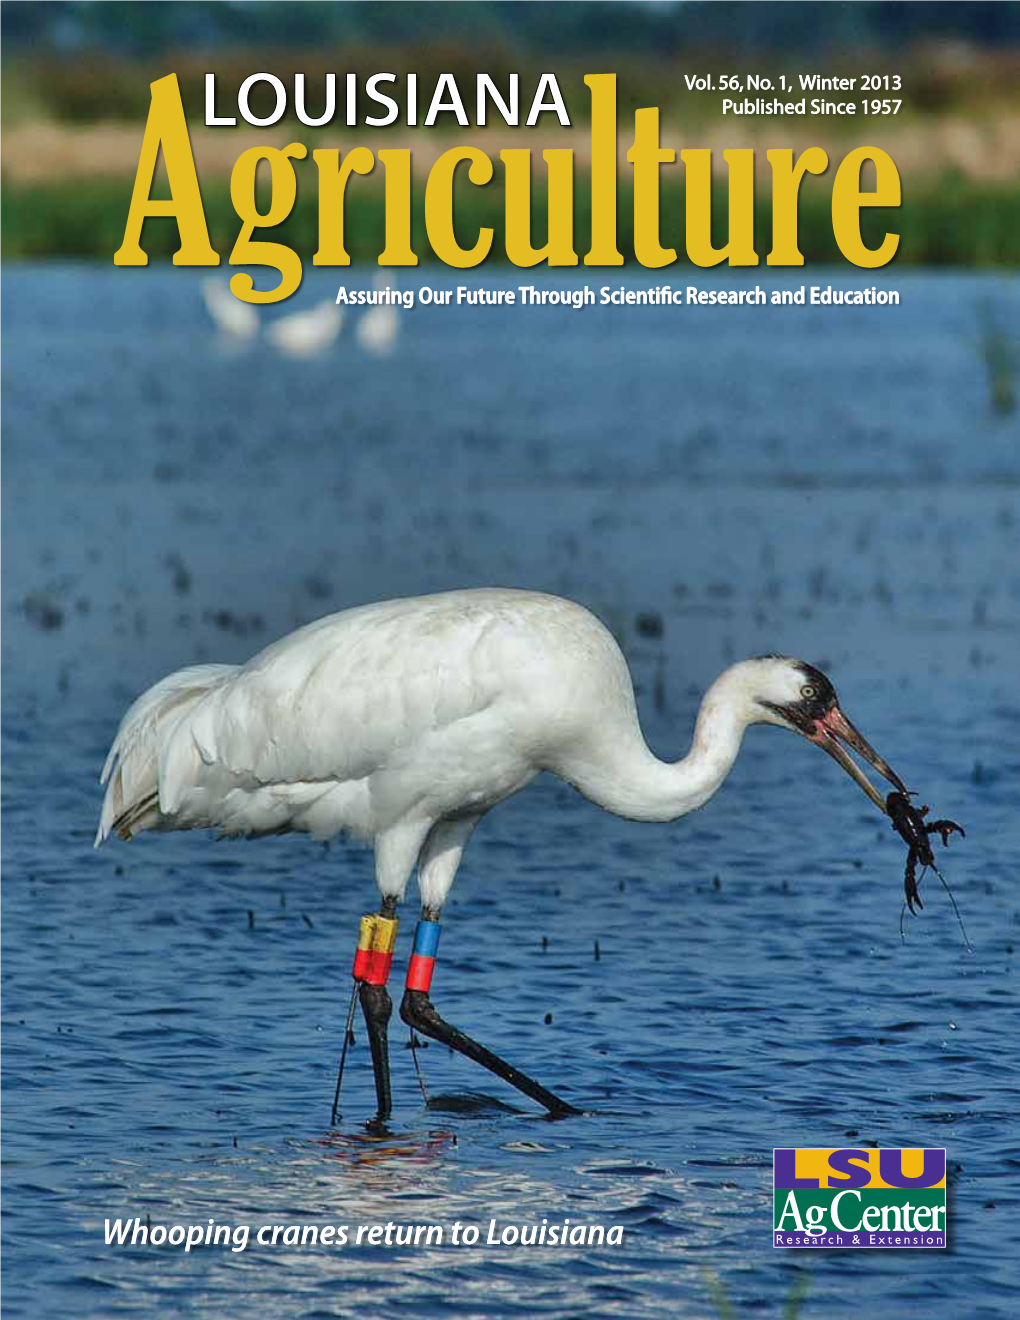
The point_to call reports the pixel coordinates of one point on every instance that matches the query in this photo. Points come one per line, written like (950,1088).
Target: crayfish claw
(945,828)
(910,888)
(909,823)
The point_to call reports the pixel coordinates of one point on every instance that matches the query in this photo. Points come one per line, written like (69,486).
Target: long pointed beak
(834,729)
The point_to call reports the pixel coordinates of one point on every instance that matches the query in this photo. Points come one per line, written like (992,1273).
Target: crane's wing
(256,749)
(131,771)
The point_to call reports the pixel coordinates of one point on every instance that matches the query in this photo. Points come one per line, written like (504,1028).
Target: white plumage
(233,318)
(404,722)
(378,328)
(306,333)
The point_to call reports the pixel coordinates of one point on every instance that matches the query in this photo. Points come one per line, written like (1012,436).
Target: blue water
(824,482)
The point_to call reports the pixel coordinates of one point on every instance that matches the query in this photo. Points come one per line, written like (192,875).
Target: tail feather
(131,771)
(135,819)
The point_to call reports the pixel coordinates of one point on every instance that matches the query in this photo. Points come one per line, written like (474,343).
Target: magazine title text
(167,131)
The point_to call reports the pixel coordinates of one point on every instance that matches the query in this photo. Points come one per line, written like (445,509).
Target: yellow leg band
(378,933)
(374,953)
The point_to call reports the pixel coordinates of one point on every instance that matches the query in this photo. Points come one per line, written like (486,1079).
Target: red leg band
(374,953)
(419,971)
(372,966)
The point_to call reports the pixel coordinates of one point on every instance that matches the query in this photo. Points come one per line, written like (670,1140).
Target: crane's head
(796,696)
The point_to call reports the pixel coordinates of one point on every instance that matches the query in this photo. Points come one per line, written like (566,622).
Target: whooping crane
(377,328)
(404,722)
(305,334)
(233,318)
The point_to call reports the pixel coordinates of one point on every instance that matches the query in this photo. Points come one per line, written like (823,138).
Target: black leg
(371,968)
(377,1006)
(418,1012)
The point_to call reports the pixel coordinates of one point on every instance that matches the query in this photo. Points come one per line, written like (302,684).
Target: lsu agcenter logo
(859,1198)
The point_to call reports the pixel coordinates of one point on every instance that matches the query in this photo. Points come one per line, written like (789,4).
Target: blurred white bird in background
(237,321)
(308,333)
(302,334)
(378,328)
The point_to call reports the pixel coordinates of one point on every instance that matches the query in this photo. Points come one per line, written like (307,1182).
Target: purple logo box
(858,1197)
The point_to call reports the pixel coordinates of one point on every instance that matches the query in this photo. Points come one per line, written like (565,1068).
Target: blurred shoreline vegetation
(75,97)
(959,224)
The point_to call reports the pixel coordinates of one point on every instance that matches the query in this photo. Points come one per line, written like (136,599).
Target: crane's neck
(629,780)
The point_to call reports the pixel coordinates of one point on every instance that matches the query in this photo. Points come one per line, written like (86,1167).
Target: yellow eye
(808,691)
